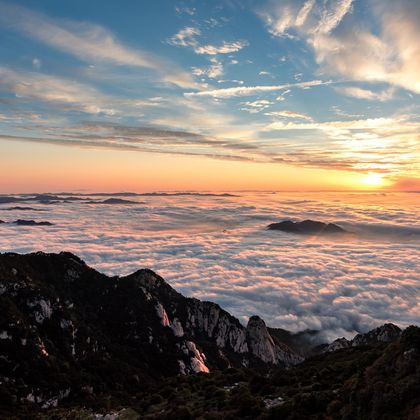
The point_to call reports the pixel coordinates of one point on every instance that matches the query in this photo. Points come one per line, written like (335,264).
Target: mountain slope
(88,333)
(71,337)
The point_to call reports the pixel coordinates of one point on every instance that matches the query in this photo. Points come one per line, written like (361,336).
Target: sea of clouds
(217,248)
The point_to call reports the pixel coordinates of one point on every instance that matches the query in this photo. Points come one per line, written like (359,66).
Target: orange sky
(26,167)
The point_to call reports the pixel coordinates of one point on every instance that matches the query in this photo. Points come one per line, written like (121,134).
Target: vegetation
(379,383)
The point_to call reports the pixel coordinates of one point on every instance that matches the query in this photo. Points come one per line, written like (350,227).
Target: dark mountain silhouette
(115,201)
(19,208)
(307,227)
(72,337)
(22,222)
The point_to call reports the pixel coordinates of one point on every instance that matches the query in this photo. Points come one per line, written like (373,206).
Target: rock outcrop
(260,341)
(266,347)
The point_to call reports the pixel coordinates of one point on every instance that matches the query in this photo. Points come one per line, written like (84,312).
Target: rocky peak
(152,283)
(339,343)
(267,347)
(383,334)
(261,344)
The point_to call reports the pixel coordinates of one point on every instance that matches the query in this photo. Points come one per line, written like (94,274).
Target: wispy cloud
(289,114)
(361,124)
(254,90)
(367,94)
(88,42)
(98,143)
(65,94)
(185,10)
(256,106)
(389,54)
(187,37)
(388,146)
(213,71)
(224,48)
(56,90)
(331,16)
(311,16)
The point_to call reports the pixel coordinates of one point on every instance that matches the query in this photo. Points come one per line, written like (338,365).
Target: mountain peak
(386,333)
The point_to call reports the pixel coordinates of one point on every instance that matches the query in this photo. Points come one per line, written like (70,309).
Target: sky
(200,95)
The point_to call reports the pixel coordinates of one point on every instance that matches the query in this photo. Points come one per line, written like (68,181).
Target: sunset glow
(374,180)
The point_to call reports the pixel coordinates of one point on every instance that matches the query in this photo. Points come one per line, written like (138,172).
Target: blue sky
(328,85)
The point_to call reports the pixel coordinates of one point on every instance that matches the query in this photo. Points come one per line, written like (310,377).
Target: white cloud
(239,82)
(370,95)
(253,90)
(225,48)
(382,123)
(256,106)
(289,114)
(288,18)
(213,71)
(187,37)
(388,53)
(89,42)
(332,16)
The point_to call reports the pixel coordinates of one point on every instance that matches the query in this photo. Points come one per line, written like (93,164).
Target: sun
(373,179)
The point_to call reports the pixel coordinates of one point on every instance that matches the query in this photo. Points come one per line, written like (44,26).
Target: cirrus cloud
(89,42)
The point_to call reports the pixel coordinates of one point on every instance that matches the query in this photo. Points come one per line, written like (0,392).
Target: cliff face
(267,347)
(66,328)
(226,341)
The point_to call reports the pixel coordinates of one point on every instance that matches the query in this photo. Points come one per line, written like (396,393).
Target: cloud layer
(216,248)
